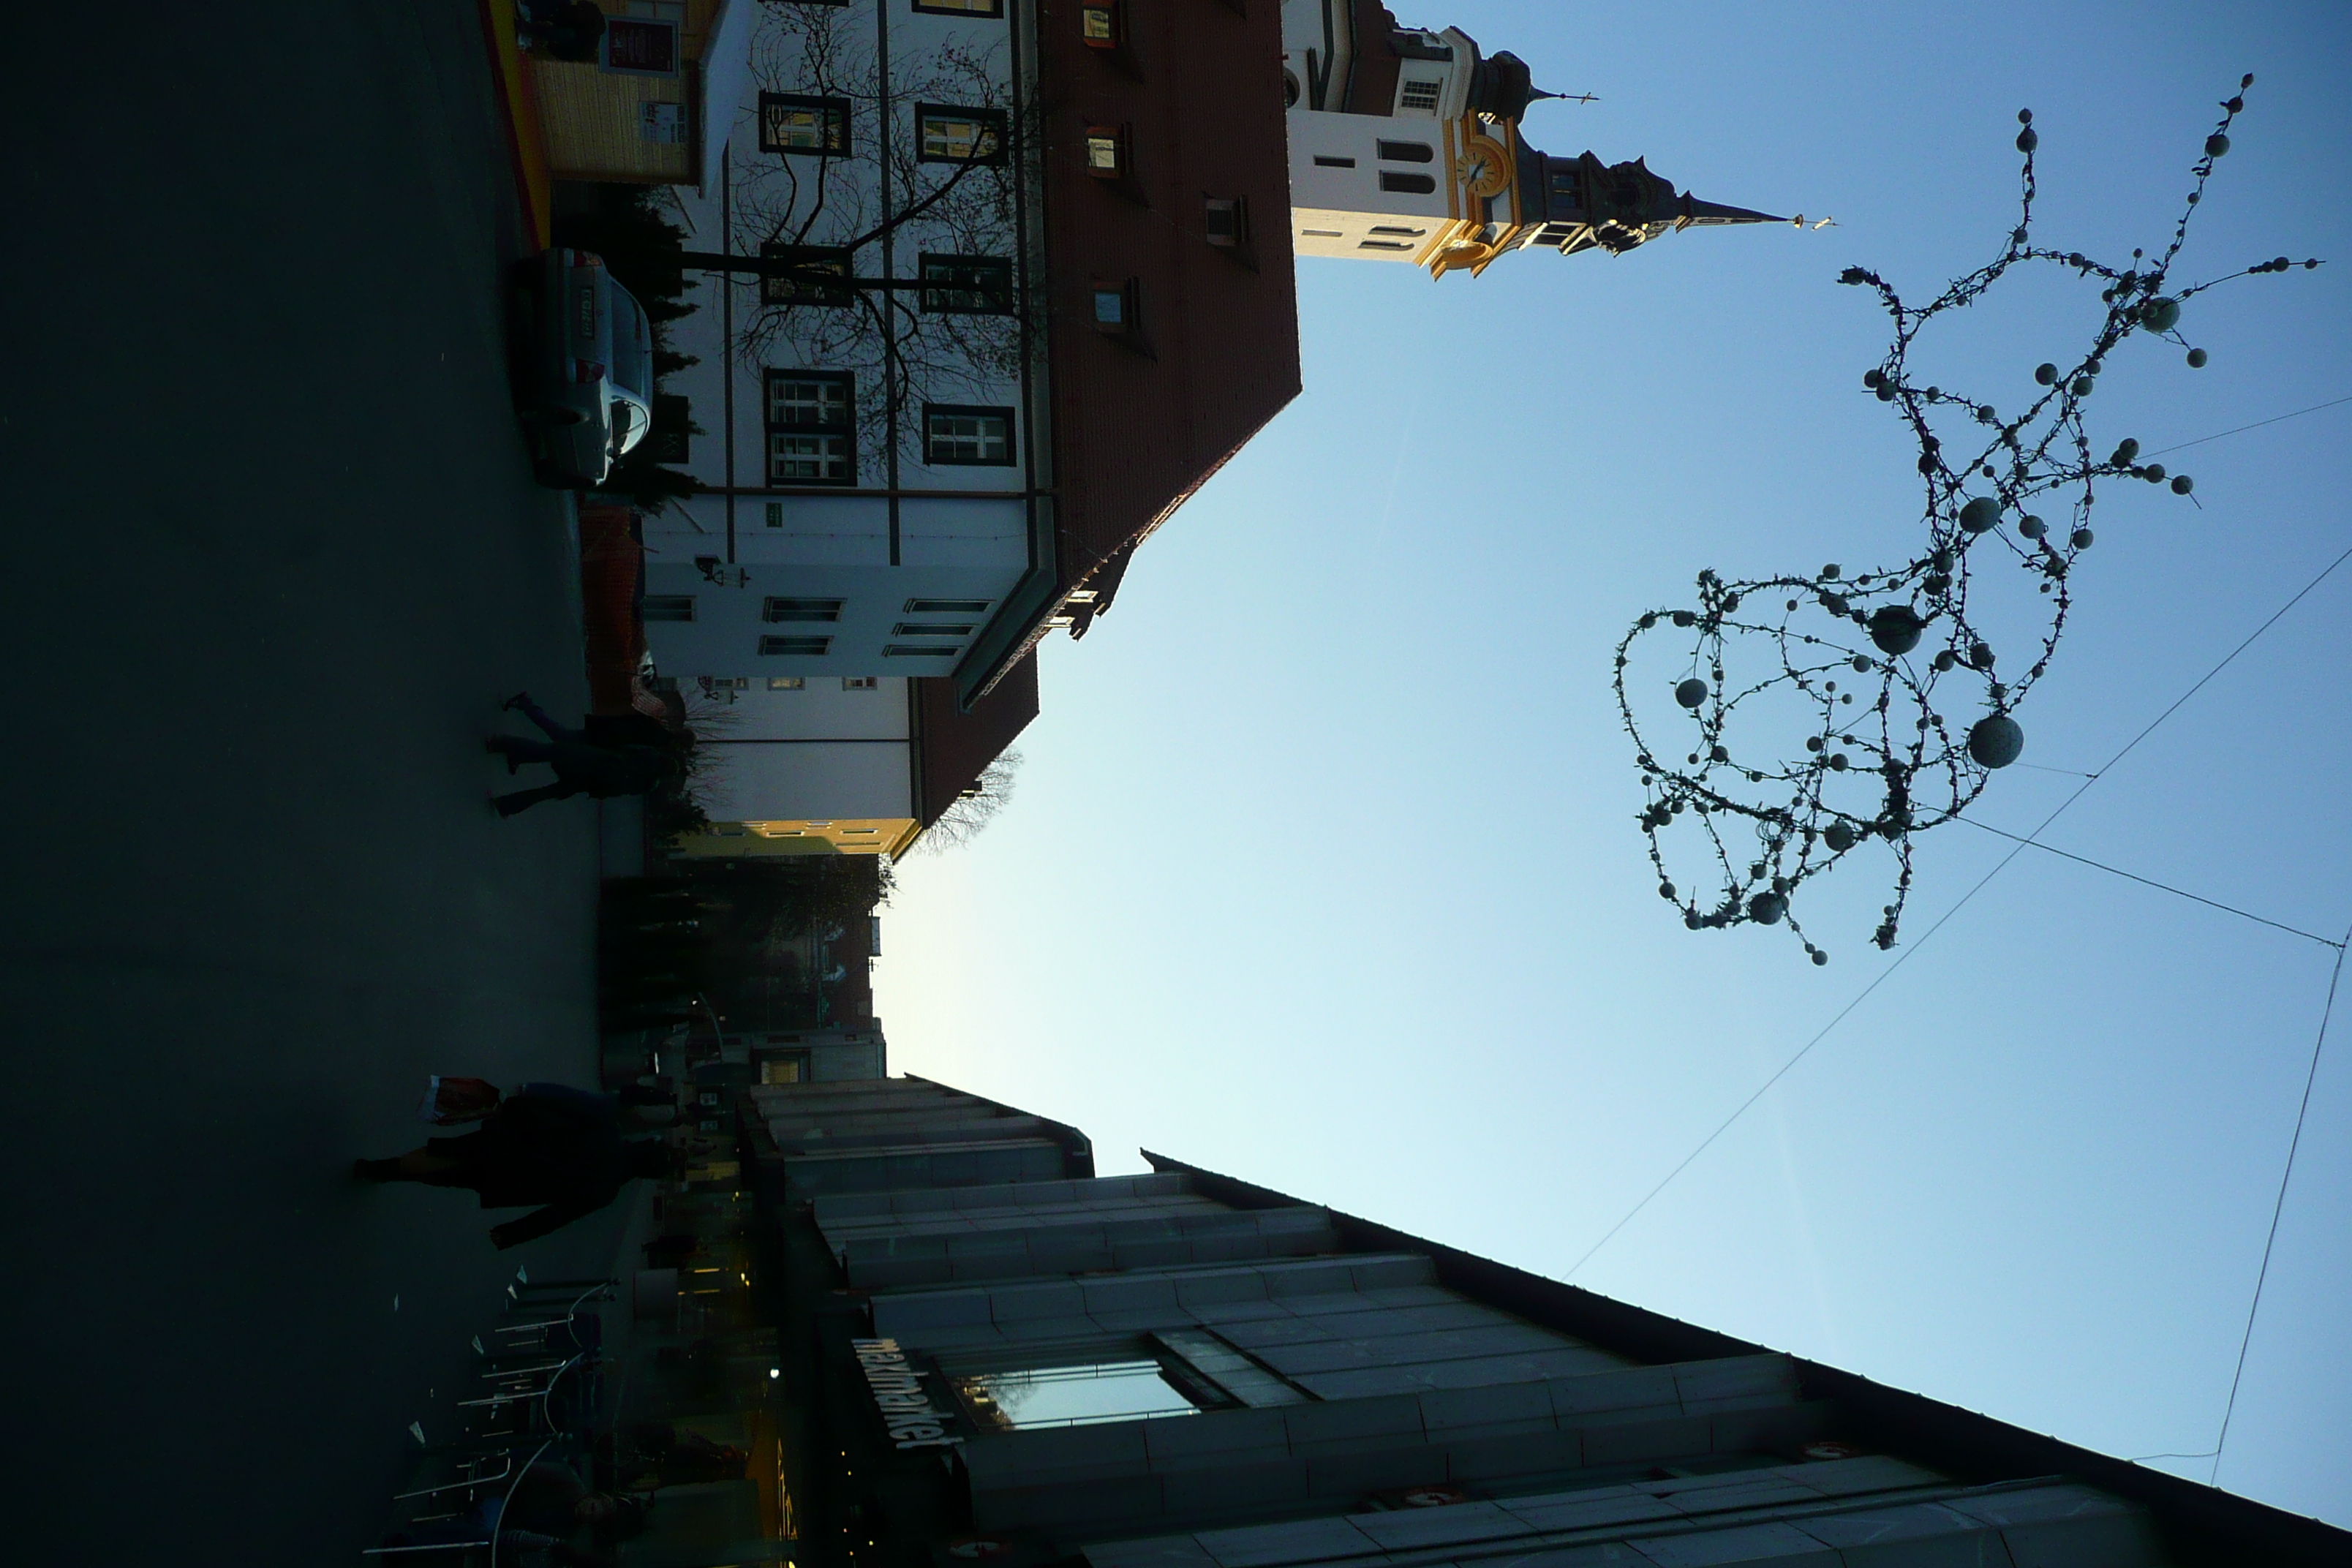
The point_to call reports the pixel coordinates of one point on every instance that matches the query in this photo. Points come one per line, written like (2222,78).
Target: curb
(526,144)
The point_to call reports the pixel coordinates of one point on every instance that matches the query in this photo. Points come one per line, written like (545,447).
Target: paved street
(275,556)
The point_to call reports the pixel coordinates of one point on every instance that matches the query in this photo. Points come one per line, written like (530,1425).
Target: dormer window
(1225,221)
(1416,95)
(1106,152)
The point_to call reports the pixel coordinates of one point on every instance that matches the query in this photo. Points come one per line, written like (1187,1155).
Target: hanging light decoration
(1885,759)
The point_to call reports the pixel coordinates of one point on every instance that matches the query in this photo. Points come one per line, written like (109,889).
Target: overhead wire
(1804,1050)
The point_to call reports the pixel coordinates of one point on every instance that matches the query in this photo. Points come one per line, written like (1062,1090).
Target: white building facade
(872,454)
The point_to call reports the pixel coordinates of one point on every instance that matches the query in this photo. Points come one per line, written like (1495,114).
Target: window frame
(946,606)
(1011,436)
(1236,209)
(778,611)
(837,439)
(1400,183)
(657,605)
(920,650)
(830,106)
(995,119)
(776,646)
(931,630)
(990,10)
(773,289)
(1404,151)
(927,297)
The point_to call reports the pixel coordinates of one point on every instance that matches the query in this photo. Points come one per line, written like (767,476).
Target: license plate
(586,313)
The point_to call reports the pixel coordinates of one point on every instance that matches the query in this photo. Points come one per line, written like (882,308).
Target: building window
(1407,152)
(809,414)
(670,606)
(1421,96)
(859,683)
(968,285)
(775,514)
(800,610)
(1106,152)
(948,607)
(1225,220)
(795,648)
(946,135)
(961,7)
(827,259)
(918,651)
(961,435)
(1408,185)
(1114,307)
(930,629)
(1084,1394)
(786,682)
(1394,228)
(1324,162)
(817,127)
(1385,244)
(1098,24)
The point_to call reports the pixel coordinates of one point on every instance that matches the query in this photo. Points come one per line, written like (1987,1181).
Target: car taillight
(586,259)
(586,371)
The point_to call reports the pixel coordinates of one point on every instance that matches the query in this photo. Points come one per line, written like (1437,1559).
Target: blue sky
(1322,869)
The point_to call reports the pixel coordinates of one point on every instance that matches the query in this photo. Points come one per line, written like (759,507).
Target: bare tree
(975,809)
(843,298)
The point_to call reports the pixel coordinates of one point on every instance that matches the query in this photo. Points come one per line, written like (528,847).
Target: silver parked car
(587,393)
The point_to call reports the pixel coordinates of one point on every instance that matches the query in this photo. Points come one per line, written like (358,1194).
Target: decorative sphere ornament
(2154,472)
(2030,526)
(1980,515)
(1691,692)
(2196,359)
(1946,660)
(1873,378)
(2082,385)
(1666,891)
(1819,957)
(1895,628)
(2082,540)
(2160,315)
(1995,740)
(1766,908)
(2047,375)
(1885,392)
(2216,145)
(2028,140)
(2125,450)
(2182,484)
(1838,837)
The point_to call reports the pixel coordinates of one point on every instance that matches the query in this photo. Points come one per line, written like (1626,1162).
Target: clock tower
(1405,146)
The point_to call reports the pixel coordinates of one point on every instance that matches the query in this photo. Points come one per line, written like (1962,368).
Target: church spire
(1405,146)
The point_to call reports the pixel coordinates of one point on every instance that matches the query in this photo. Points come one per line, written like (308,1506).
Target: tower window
(670,606)
(1418,96)
(817,127)
(918,651)
(1407,184)
(795,648)
(1322,162)
(800,610)
(1393,228)
(948,607)
(930,629)
(1383,245)
(1407,152)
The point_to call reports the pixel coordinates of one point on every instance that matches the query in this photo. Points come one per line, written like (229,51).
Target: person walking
(546,1144)
(609,754)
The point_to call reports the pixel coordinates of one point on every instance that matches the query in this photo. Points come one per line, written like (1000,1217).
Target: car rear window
(633,344)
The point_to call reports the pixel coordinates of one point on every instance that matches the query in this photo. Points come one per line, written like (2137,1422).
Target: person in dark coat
(546,1144)
(609,754)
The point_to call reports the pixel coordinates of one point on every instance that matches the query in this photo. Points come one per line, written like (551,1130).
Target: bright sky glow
(1322,870)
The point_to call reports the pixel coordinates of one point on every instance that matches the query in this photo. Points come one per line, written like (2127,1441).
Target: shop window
(945,135)
(795,648)
(814,127)
(958,436)
(967,285)
(805,285)
(1407,184)
(1084,1394)
(774,610)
